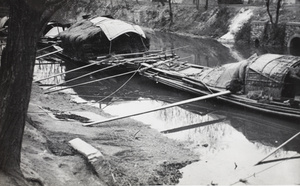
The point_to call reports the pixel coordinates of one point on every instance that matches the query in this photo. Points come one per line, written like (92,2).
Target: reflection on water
(232,142)
(228,149)
(209,52)
(44,69)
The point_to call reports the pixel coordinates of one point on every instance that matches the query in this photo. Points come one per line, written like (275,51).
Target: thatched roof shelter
(98,36)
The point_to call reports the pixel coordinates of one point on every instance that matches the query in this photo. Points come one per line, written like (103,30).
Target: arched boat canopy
(269,73)
(113,28)
(90,38)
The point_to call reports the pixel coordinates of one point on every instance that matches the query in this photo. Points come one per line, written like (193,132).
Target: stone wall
(292,31)
(257,31)
(261,33)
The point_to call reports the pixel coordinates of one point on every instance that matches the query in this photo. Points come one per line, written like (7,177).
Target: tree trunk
(16,77)
(171,12)
(268,11)
(27,19)
(278,6)
(277,11)
(206,5)
(197,4)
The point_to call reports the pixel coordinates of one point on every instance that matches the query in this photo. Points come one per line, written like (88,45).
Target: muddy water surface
(228,139)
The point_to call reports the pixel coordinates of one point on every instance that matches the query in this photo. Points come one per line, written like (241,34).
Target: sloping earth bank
(134,153)
(187,19)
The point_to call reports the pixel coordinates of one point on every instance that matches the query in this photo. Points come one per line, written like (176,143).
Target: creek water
(229,140)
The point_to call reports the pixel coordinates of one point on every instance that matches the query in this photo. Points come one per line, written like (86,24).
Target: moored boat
(105,41)
(100,36)
(269,83)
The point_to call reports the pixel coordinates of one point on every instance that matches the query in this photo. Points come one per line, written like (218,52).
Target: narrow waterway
(229,140)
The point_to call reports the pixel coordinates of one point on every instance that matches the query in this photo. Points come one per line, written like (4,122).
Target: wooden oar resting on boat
(270,83)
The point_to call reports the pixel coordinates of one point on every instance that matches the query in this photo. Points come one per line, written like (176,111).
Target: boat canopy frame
(269,74)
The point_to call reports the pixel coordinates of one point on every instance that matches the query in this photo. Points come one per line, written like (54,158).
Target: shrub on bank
(244,34)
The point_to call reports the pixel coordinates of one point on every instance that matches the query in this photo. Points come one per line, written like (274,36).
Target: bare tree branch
(277,11)
(268,11)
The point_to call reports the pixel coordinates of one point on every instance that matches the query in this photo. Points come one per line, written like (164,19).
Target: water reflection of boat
(264,131)
(269,83)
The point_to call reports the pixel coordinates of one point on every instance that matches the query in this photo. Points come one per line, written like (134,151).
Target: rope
(120,87)
(93,81)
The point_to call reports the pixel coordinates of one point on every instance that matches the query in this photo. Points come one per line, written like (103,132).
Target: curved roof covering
(268,73)
(113,28)
(273,66)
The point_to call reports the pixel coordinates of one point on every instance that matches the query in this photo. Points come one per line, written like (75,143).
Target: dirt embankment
(134,153)
(215,22)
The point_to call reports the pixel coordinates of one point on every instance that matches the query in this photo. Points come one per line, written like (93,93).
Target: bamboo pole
(46,48)
(278,148)
(48,54)
(118,75)
(93,81)
(150,51)
(85,66)
(137,53)
(160,108)
(96,71)
(136,58)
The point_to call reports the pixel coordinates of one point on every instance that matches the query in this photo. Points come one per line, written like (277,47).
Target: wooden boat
(109,42)
(269,83)
(100,36)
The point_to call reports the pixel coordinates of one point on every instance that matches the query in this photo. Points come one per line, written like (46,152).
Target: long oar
(277,148)
(163,107)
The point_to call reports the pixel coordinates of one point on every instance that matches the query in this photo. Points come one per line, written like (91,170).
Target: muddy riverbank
(137,154)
